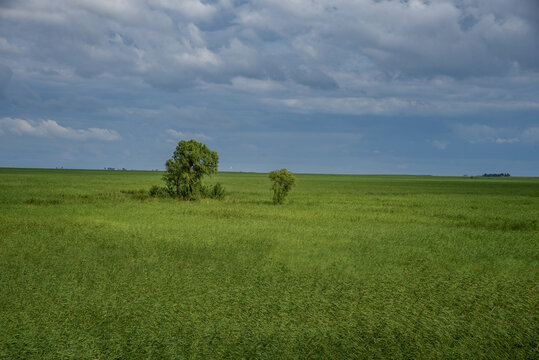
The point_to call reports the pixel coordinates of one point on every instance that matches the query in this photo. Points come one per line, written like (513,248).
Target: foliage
(139,194)
(356,267)
(160,192)
(282,181)
(184,171)
(216,191)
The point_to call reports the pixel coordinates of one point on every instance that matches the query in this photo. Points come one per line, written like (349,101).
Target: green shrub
(282,181)
(159,191)
(216,191)
(140,194)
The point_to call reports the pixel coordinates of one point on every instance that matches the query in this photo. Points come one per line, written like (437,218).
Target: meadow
(350,267)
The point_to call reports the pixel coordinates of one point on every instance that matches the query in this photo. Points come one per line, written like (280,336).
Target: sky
(440,87)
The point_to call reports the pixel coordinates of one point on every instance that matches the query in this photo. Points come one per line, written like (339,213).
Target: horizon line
(259,172)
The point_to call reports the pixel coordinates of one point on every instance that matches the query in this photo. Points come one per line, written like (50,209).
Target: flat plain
(349,267)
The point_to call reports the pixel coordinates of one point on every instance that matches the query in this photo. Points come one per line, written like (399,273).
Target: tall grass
(349,267)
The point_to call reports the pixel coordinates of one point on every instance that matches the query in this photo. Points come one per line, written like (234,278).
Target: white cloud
(439,144)
(198,57)
(187,135)
(50,128)
(38,16)
(349,105)
(190,8)
(246,84)
(478,133)
(531,135)
(399,102)
(507,141)
(116,9)
(8,47)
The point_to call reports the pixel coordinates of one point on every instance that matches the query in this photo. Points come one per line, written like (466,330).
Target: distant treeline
(123,169)
(497,175)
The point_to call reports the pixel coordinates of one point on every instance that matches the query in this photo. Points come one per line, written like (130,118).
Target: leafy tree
(282,181)
(185,170)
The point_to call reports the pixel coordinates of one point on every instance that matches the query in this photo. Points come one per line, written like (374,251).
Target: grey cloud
(5,77)
(377,51)
(415,37)
(157,37)
(313,78)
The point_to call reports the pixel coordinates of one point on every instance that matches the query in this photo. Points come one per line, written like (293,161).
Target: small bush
(159,191)
(282,181)
(140,194)
(216,191)
(34,201)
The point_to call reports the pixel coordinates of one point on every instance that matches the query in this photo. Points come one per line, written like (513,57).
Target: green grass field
(350,267)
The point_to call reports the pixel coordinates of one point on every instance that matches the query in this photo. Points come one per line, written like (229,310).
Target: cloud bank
(177,44)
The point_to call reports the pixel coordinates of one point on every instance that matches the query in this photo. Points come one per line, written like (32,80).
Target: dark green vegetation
(282,181)
(190,162)
(351,267)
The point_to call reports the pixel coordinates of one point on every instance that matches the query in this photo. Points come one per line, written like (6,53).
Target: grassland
(350,267)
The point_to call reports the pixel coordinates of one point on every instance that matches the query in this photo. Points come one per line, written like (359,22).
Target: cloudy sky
(443,87)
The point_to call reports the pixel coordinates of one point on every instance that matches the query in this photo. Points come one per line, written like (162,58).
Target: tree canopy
(184,171)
